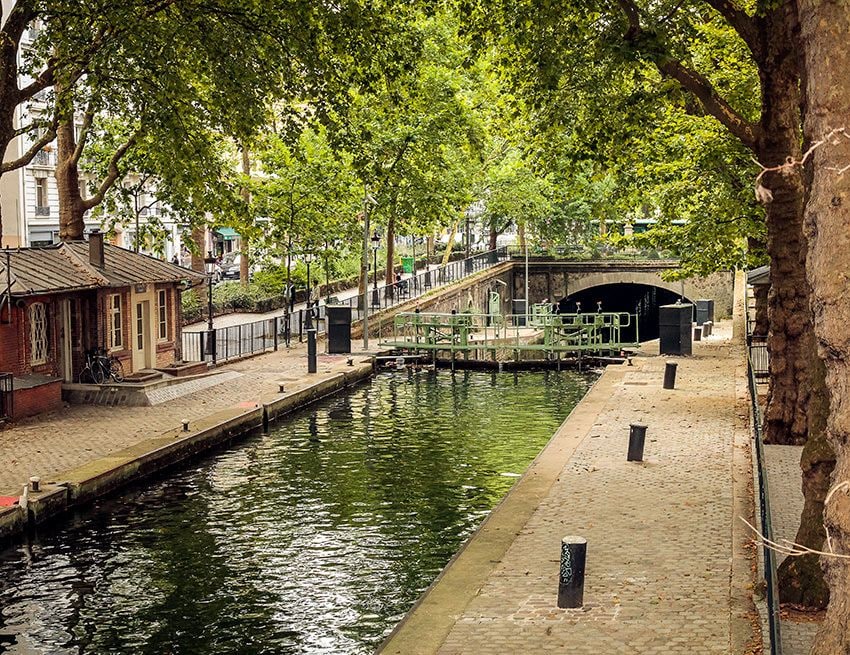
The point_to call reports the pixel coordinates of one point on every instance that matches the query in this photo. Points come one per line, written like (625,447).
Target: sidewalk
(667,571)
(50,443)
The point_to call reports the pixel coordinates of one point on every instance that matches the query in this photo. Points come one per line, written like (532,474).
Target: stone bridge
(554,281)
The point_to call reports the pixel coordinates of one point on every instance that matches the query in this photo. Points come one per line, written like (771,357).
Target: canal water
(315,538)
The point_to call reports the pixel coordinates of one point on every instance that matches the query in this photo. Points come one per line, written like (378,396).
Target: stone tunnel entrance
(640,299)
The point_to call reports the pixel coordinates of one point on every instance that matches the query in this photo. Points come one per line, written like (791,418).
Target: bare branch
(764,195)
(26,158)
(88,118)
(744,24)
(112,175)
(747,133)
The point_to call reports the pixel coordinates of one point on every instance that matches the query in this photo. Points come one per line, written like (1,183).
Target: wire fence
(238,341)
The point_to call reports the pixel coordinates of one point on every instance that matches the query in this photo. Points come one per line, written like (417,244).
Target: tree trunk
(790,334)
(389,269)
(801,580)
(244,269)
(199,252)
(71,209)
(824,27)
(795,386)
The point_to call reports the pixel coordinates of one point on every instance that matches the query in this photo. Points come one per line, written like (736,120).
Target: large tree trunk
(824,28)
(801,579)
(794,412)
(71,208)
(790,338)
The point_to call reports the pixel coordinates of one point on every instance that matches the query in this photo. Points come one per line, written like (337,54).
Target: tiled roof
(66,266)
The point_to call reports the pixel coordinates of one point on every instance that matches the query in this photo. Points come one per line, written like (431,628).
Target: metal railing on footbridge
(380,298)
(488,334)
(245,339)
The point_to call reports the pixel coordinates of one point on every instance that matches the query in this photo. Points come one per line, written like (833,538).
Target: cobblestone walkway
(58,441)
(660,533)
(786,504)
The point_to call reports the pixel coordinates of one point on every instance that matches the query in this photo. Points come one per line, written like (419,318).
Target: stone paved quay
(59,441)
(668,570)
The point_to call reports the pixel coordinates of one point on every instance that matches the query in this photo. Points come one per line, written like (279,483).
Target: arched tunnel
(641,299)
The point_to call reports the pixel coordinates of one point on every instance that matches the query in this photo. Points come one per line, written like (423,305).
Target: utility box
(675,329)
(705,311)
(519,311)
(338,319)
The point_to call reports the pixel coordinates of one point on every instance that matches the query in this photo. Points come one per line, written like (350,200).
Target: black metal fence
(5,395)
(759,360)
(237,341)
(766,522)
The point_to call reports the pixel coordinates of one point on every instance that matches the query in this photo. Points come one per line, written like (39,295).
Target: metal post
(376,299)
(311,351)
(309,296)
(571,572)
(698,333)
(525,241)
(365,274)
(637,437)
(670,375)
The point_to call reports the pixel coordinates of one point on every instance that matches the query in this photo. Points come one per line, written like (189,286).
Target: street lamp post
(210,263)
(308,259)
(376,240)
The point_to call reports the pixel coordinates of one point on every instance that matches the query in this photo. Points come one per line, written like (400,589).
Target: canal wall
(105,475)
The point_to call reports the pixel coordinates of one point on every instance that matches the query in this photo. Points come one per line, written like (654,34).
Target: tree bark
(795,413)
(389,268)
(824,27)
(71,208)
(198,252)
(244,268)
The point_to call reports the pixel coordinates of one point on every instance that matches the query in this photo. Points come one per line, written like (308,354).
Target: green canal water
(315,538)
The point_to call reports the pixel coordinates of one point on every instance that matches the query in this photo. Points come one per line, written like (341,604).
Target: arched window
(38,333)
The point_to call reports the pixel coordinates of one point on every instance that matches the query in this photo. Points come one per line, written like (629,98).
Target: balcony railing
(42,211)
(42,158)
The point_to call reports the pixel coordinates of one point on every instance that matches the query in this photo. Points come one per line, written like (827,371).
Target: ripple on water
(315,538)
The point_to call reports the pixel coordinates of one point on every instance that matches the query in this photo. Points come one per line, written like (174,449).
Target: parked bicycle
(101,367)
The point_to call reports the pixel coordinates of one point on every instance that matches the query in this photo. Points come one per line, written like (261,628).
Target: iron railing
(5,395)
(772,592)
(232,342)
(758,357)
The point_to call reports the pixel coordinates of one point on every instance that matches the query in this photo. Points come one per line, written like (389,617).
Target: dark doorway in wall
(641,299)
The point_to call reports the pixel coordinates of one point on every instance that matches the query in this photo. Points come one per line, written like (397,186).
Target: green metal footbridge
(496,337)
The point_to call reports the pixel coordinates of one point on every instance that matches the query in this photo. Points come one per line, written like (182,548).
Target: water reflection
(314,538)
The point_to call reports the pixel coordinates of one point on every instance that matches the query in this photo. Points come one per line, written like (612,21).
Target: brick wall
(43,398)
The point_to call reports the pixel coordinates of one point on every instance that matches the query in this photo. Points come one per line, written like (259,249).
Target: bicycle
(101,367)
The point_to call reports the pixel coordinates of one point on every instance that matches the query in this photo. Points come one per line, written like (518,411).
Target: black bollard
(311,351)
(706,328)
(670,375)
(698,333)
(571,573)
(637,437)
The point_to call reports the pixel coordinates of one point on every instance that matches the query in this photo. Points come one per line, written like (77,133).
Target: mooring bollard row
(637,437)
(571,572)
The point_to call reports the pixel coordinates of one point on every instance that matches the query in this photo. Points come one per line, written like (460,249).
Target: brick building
(58,302)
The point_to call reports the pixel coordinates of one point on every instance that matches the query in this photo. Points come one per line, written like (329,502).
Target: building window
(140,327)
(42,208)
(116,333)
(38,333)
(162,315)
